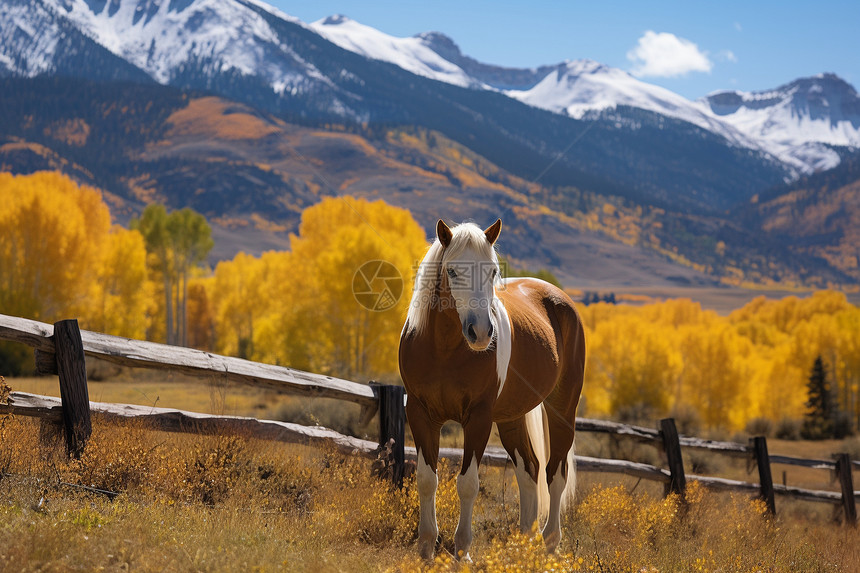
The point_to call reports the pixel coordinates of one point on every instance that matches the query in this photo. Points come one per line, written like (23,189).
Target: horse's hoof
(427,551)
(552,539)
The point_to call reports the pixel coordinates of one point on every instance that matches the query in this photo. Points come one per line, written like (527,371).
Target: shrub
(16,359)
(687,419)
(842,425)
(788,429)
(760,427)
(705,463)
(851,446)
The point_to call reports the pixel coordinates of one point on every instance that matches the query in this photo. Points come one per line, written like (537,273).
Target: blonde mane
(464,236)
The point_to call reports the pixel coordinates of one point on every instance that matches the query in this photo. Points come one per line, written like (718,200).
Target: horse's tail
(537,427)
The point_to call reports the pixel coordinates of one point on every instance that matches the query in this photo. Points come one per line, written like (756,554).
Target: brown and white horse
(479,350)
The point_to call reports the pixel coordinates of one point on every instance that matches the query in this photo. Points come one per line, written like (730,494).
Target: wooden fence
(61,349)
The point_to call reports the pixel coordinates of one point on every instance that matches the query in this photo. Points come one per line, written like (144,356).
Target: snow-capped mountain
(35,39)
(573,88)
(337,70)
(160,36)
(797,122)
(170,40)
(581,87)
(233,47)
(411,54)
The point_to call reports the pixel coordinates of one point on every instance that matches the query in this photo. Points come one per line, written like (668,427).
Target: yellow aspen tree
(236,290)
(120,295)
(52,231)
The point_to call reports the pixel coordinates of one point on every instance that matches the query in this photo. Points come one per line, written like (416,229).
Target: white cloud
(666,55)
(738,27)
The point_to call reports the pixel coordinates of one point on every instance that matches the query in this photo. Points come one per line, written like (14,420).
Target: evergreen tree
(821,413)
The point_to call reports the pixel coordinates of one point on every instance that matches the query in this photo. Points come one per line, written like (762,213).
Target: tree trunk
(183,317)
(168,306)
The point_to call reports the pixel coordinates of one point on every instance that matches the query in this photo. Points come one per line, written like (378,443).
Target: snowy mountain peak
(798,121)
(815,112)
(228,43)
(166,37)
(411,54)
(336,20)
(586,66)
(443,45)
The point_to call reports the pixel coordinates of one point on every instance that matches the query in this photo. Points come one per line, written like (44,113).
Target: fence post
(762,460)
(846,480)
(392,426)
(72,370)
(672,447)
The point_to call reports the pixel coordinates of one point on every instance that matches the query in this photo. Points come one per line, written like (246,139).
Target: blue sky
(692,48)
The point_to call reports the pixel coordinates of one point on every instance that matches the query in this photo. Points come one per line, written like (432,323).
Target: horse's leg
(515,439)
(561,475)
(425,433)
(560,407)
(561,469)
(476,434)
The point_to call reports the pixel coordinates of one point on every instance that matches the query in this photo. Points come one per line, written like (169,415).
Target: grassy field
(721,299)
(230,503)
(161,389)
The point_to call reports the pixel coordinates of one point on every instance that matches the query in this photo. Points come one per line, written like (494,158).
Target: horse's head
(470,269)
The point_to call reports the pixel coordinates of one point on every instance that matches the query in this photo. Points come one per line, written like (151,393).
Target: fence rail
(143,354)
(61,348)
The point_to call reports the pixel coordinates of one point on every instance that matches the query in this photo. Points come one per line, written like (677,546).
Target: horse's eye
(452,273)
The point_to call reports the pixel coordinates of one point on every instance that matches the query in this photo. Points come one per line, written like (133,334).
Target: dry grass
(222,503)
(209,396)
(228,503)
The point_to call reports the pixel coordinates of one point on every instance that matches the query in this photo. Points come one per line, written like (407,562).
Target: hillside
(252,173)
(817,216)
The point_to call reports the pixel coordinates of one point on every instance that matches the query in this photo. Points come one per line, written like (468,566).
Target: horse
(479,350)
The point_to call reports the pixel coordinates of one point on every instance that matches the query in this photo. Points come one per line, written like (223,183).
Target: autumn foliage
(676,358)
(298,308)
(61,257)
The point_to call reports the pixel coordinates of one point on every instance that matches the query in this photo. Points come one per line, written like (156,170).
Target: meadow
(232,503)
(140,499)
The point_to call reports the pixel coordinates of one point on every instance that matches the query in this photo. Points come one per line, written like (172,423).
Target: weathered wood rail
(61,348)
(143,354)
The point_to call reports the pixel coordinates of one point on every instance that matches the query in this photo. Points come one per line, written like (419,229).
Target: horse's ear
(444,233)
(492,232)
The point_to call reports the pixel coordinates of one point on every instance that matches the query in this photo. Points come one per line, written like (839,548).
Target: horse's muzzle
(478,336)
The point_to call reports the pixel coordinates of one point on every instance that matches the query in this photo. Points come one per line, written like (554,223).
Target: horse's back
(537,307)
(547,344)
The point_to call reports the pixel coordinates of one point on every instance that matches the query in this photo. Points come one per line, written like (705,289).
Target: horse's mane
(464,236)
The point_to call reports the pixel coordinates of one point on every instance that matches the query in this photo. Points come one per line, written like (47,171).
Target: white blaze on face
(471,277)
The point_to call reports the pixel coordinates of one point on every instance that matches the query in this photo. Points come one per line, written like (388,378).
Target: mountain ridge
(626,151)
(645,182)
(579,87)
(252,173)
(224,44)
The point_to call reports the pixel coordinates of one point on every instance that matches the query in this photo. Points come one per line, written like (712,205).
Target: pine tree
(821,413)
